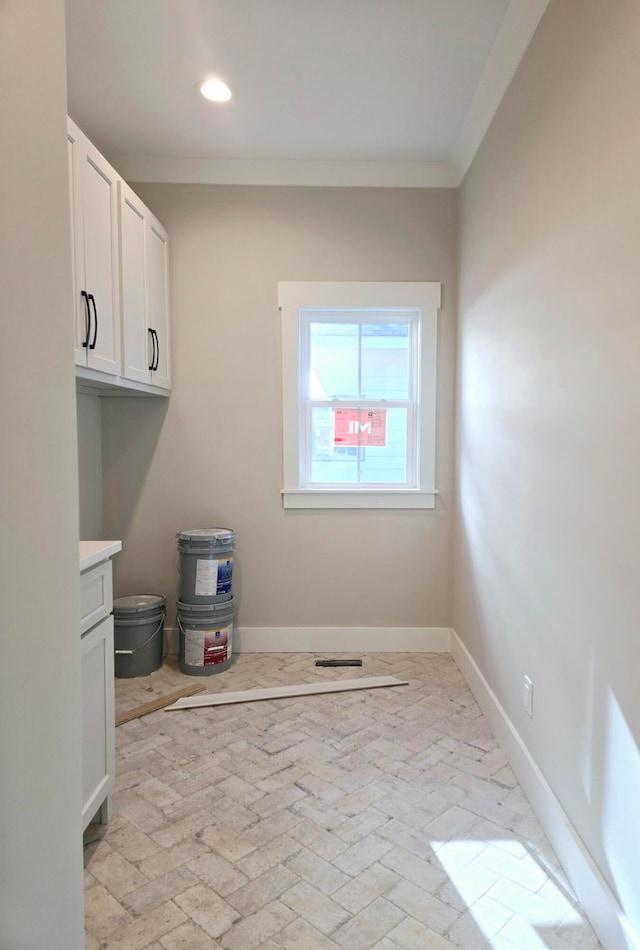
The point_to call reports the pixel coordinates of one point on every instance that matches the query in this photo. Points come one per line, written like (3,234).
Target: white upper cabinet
(120,261)
(145,299)
(94,210)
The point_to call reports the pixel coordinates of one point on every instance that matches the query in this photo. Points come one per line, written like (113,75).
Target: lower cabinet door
(98,718)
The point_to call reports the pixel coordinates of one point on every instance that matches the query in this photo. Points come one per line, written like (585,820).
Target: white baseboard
(597,899)
(331,640)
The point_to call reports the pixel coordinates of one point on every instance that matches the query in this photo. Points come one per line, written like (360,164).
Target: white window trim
(421,295)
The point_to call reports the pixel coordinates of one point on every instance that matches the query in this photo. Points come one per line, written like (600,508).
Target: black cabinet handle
(92,345)
(84,294)
(156,348)
(153,344)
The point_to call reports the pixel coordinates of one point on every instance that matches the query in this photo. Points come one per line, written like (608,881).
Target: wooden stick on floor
(282,692)
(158,703)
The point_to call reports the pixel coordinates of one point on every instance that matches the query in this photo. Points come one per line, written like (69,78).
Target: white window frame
(421,296)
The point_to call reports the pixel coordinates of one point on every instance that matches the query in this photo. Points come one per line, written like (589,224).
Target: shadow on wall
(130,433)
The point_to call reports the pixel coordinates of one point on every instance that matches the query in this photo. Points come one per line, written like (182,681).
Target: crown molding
(206,171)
(516,31)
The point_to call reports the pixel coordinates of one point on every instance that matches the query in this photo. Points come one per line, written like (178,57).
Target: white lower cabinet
(98,704)
(98,722)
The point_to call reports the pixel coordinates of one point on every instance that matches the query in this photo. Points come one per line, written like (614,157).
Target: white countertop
(93,552)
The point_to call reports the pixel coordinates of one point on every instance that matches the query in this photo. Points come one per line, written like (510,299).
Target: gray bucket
(206,565)
(138,629)
(206,633)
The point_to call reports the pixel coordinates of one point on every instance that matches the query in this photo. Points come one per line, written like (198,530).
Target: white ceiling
(378,91)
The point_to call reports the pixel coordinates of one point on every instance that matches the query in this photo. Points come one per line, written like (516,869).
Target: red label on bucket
(215,647)
(207,647)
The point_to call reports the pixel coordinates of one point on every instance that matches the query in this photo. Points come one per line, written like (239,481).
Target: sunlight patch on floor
(511,895)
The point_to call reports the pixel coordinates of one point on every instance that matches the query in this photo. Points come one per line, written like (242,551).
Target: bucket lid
(207,535)
(136,603)
(198,610)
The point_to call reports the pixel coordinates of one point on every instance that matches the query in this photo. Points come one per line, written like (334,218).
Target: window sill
(359,498)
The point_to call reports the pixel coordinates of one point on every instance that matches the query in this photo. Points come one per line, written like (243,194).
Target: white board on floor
(282,692)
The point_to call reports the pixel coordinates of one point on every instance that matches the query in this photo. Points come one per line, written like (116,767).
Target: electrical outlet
(527,696)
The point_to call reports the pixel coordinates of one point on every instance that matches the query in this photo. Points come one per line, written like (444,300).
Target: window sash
(306,444)
(360,316)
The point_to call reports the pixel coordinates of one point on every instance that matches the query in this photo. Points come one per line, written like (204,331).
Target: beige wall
(89,412)
(548,536)
(41,903)
(213,456)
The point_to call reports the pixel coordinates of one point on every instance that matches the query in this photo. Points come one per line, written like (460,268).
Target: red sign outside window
(360,427)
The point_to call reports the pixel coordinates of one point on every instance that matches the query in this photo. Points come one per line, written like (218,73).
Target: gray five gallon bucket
(138,628)
(206,565)
(206,632)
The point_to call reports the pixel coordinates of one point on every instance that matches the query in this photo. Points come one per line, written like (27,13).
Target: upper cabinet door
(82,314)
(94,213)
(157,248)
(137,342)
(144,282)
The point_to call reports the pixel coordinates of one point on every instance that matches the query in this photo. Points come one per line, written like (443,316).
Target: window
(359,388)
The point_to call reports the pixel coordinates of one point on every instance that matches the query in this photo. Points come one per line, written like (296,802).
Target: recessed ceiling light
(216,90)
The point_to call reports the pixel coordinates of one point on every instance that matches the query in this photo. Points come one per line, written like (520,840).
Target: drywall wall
(89,412)
(546,553)
(213,456)
(41,897)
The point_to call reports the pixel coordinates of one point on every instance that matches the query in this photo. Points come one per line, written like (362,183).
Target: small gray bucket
(206,565)
(206,634)
(138,630)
